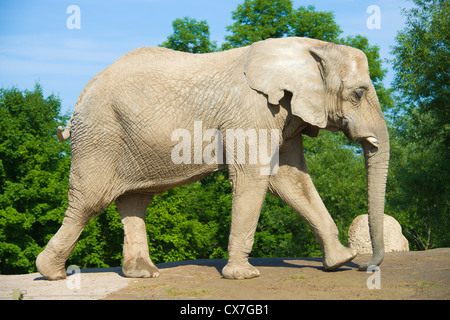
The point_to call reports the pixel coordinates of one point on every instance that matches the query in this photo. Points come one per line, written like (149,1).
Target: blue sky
(36,45)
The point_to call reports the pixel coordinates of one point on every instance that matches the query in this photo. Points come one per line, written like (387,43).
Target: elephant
(122,139)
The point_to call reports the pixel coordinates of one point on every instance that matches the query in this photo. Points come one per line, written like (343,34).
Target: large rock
(359,238)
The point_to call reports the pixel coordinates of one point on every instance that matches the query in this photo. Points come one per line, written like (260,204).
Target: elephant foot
(140,268)
(49,268)
(336,258)
(240,271)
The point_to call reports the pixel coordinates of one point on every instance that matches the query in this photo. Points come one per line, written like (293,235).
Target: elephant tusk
(373,142)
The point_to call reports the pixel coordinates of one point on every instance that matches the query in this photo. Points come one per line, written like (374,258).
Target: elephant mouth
(370,139)
(348,128)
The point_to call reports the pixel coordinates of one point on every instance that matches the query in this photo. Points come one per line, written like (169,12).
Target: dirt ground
(403,275)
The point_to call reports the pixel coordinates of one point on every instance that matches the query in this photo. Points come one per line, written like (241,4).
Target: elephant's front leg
(293,184)
(249,190)
(136,257)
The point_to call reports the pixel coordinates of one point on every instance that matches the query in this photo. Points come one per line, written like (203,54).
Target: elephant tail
(64,134)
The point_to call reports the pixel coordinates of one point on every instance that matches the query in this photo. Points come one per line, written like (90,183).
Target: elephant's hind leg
(51,262)
(136,257)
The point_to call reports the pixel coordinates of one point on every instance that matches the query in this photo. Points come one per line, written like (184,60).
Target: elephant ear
(295,65)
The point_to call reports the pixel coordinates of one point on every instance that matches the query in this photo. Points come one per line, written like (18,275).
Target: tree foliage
(258,20)
(307,22)
(421,128)
(190,35)
(33,176)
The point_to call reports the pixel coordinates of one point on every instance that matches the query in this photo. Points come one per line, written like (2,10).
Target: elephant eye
(357,95)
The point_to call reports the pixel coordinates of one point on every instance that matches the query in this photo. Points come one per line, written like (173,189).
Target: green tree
(421,124)
(190,35)
(257,20)
(191,221)
(307,22)
(33,176)
(100,243)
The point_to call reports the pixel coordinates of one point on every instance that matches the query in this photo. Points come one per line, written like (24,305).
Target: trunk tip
(374,262)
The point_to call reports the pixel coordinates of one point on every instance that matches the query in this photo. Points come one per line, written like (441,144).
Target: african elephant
(122,139)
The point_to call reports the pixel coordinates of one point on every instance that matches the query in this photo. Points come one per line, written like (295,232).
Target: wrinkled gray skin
(121,141)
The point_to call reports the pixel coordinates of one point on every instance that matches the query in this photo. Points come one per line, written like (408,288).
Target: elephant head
(331,88)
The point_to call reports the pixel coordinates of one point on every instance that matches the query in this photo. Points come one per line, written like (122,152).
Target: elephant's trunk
(376,153)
